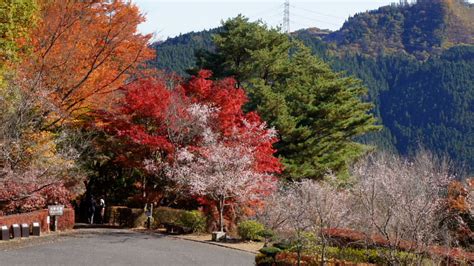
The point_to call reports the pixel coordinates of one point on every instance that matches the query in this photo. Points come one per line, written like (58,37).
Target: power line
(315,12)
(272,15)
(266,11)
(287,20)
(301,24)
(314,19)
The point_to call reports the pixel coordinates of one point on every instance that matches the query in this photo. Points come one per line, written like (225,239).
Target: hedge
(290,259)
(345,256)
(189,221)
(345,237)
(125,217)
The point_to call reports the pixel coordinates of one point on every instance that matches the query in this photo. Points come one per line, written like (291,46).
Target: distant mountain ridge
(420,29)
(177,54)
(416,59)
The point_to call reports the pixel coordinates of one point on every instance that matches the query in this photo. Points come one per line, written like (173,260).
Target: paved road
(123,247)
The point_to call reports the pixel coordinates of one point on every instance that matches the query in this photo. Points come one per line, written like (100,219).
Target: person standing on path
(102,209)
(92,208)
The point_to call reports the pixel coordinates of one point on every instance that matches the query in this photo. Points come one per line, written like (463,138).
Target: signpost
(149,215)
(54,212)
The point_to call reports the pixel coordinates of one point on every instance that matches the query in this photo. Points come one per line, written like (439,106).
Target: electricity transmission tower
(286,17)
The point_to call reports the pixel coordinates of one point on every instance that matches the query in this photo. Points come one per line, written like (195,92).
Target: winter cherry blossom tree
(401,200)
(328,208)
(304,207)
(222,171)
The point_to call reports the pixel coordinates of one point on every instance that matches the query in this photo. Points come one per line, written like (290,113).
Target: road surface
(123,247)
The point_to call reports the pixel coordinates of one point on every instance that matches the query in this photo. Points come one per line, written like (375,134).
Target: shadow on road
(113,232)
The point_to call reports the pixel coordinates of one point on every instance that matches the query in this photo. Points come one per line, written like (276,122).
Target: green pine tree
(316,111)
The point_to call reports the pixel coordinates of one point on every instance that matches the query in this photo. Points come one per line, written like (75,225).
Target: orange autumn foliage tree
(79,53)
(83,51)
(460,206)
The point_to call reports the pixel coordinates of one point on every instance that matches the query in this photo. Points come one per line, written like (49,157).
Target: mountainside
(416,59)
(420,29)
(429,103)
(177,54)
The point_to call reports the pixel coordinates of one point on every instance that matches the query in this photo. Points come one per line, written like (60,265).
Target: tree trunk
(221,214)
(299,256)
(299,248)
(323,246)
(323,250)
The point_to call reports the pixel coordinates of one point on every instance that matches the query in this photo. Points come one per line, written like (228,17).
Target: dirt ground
(252,247)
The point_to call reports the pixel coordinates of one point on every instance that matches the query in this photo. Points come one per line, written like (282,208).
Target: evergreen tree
(316,111)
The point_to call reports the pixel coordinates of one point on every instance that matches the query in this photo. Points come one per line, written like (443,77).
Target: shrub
(356,255)
(195,220)
(290,258)
(263,260)
(270,251)
(250,230)
(283,245)
(165,215)
(125,217)
(188,221)
(139,218)
(266,233)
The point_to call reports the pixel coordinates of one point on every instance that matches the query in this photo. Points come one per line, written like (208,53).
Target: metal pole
(286,17)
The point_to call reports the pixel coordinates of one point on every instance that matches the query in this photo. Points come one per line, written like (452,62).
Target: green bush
(165,215)
(125,217)
(283,245)
(263,260)
(270,251)
(195,220)
(266,233)
(250,230)
(189,221)
(375,256)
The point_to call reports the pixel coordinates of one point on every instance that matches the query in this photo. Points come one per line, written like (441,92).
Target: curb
(215,244)
(35,240)
(197,241)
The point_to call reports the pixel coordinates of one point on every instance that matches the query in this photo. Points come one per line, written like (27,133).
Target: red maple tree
(154,121)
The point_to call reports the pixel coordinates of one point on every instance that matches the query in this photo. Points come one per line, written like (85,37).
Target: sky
(169,18)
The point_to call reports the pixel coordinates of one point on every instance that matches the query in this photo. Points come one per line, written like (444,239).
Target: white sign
(15,225)
(56,210)
(37,224)
(4,227)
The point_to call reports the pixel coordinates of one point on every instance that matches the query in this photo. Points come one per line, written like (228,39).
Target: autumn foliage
(156,118)
(161,120)
(83,51)
(65,58)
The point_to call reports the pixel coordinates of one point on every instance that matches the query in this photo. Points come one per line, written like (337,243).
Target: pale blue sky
(168,18)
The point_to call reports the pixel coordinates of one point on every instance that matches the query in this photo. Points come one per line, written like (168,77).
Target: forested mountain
(416,59)
(421,29)
(177,54)
(429,103)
